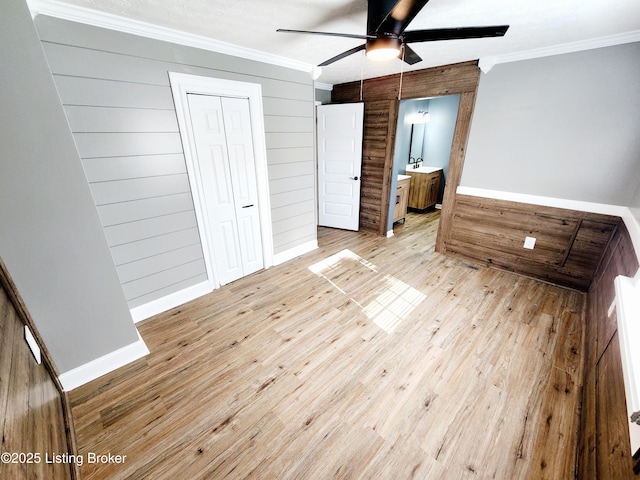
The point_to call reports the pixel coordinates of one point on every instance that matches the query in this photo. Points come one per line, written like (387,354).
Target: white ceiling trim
(87,16)
(487,63)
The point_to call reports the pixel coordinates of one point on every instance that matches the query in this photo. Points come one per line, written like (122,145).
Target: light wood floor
(369,358)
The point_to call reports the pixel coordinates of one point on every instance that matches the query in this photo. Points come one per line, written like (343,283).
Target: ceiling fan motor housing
(386,37)
(383,48)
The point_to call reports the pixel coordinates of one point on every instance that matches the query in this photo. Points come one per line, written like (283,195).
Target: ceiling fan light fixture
(382,49)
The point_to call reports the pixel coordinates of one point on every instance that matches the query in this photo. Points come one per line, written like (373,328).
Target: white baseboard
(578,205)
(295,252)
(103,365)
(390,233)
(170,301)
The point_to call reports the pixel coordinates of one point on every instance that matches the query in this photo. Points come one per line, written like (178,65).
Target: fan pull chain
(361,75)
(401,74)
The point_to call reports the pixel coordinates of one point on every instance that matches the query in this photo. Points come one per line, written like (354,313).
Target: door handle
(354,178)
(247,206)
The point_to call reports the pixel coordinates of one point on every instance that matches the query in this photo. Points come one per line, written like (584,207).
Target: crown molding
(96,18)
(487,63)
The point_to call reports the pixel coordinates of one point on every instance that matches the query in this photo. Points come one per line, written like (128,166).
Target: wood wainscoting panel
(614,459)
(619,259)
(568,248)
(598,448)
(31,409)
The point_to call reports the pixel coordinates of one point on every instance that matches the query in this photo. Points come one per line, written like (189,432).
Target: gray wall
(115,90)
(635,203)
(323,96)
(564,126)
(50,236)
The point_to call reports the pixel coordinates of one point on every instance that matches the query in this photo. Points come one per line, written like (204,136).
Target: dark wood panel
(380,96)
(456,161)
(589,245)
(619,258)
(32,419)
(569,244)
(502,227)
(379,127)
(613,453)
(431,82)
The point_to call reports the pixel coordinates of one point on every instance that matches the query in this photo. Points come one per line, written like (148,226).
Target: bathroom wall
(407,109)
(443,112)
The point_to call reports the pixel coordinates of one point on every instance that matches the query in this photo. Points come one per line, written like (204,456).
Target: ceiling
(534,25)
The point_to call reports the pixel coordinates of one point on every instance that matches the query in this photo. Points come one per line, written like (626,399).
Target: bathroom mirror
(417,140)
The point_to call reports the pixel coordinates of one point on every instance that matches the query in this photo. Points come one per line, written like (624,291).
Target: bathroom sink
(422,169)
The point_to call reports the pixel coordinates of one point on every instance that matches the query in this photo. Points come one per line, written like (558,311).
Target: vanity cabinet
(424,189)
(402,199)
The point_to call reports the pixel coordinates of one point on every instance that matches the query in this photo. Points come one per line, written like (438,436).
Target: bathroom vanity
(425,185)
(402,197)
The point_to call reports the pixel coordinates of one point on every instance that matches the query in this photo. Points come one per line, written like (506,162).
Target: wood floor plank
(369,357)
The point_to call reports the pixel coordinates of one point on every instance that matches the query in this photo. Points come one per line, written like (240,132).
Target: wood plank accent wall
(116,94)
(569,244)
(380,96)
(379,133)
(604,446)
(35,414)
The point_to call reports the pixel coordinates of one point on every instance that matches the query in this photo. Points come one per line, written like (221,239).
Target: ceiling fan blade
(410,56)
(343,55)
(329,34)
(400,16)
(460,33)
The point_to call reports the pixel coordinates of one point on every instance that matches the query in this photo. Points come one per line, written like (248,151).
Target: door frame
(359,106)
(181,85)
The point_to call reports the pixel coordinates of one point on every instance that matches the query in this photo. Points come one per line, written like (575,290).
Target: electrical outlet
(529,242)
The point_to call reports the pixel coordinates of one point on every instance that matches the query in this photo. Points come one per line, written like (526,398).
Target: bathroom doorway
(424,137)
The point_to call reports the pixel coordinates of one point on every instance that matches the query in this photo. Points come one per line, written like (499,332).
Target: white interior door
(339,164)
(227,168)
(237,123)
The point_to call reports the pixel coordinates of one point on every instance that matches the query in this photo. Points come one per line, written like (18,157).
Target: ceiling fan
(386,37)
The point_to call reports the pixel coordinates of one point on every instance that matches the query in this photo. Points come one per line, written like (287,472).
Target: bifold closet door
(222,130)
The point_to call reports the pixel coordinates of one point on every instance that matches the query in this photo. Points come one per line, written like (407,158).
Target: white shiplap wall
(115,91)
